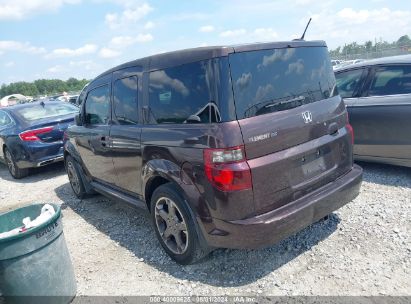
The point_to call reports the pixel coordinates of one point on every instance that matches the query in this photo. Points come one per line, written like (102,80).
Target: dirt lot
(362,249)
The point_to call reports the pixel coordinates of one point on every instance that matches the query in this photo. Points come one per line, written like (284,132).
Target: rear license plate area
(314,167)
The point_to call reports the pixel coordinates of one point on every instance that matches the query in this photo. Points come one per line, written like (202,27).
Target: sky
(58,39)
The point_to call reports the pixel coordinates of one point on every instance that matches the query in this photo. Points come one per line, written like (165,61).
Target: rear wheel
(74,177)
(14,169)
(174,226)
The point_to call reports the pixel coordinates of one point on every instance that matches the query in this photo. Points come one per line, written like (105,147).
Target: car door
(381,118)
(93,142)
(125,132)
(6,122)
(350,83)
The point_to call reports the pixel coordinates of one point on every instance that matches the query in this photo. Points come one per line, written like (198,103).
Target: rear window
(39,111)
(275,80)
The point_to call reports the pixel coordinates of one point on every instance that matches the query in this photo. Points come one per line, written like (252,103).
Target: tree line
(371,46)
(42,87)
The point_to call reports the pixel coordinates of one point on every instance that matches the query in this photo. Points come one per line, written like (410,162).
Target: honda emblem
(307,116)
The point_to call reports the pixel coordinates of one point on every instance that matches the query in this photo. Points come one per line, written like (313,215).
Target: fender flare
(173,173)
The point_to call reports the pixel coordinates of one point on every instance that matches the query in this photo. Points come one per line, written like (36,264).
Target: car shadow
(131,228)
(388,175)
(35,174)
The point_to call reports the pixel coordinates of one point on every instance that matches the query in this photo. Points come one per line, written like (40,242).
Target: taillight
(65,136)
(227,169)
(31,135)
(350,129)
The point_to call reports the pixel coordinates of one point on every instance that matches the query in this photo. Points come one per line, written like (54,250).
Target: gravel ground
(362,249)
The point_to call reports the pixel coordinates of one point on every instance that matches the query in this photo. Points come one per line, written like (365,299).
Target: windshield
(39,111)
(275,80)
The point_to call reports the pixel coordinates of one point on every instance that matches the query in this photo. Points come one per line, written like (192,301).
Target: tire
(174,226)
(75,178)
(14,169)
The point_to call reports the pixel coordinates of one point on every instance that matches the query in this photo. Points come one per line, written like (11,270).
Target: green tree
(43,87)
(404,41)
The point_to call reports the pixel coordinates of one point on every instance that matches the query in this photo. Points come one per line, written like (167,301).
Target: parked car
(73,99)
(31,135)
(271,155)
(377,94)
(336,62)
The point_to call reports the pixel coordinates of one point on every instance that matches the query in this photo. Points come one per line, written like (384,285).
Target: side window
(182,94)
(125,100)
(97,110)
(391,80)
(349,82)
(4,119)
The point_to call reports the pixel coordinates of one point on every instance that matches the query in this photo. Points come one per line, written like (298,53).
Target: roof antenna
(302,37)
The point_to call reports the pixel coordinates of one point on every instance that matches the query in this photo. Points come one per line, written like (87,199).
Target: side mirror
(78,120)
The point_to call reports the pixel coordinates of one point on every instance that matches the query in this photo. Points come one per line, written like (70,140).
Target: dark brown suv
(234,146)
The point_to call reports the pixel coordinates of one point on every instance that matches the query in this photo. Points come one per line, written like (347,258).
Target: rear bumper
(278,224)
(40,154)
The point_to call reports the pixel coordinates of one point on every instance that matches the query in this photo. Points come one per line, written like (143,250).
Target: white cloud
(17,46)
(190,16)
(233,33)
(337,27)
(9,64)
(144,37)
(149,25)
(353,16)
(244,80)
(89,65)
(296,67)
(55,69)
(122,41)
(67,52)
(206,29)
(108,53)
(125,41)
(305,2)
(265,34)
(130,15)
(20,9)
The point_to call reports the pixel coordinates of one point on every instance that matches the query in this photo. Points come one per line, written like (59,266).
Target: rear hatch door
(292,120)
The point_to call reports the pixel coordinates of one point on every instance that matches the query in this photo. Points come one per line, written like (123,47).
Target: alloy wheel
(171,225)
(10,163)
(73,177)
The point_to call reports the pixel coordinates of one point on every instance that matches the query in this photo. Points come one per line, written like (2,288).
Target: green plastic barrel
(35,266)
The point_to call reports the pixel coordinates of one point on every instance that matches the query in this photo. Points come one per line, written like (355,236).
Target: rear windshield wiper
(296,101)
(278,104)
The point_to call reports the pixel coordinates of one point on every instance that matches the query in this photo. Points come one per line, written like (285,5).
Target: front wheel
(14,169)
(174,226)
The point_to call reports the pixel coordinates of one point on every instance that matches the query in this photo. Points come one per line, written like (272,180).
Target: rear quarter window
(183,95)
